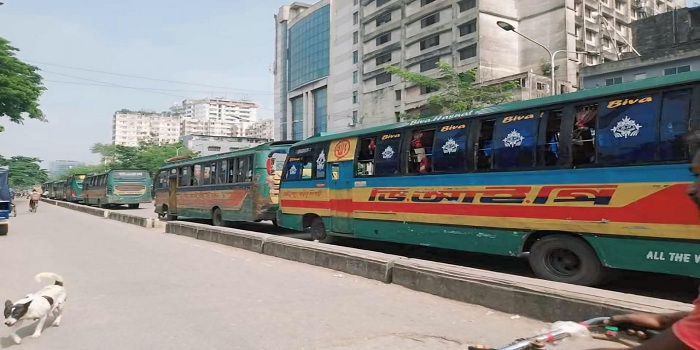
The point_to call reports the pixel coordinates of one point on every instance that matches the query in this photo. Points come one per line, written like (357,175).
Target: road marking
(216,250)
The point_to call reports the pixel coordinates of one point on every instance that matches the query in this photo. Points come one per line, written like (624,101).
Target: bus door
(172,194)
(340,197)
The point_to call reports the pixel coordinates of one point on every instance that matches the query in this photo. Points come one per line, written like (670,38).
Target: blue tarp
(4,184)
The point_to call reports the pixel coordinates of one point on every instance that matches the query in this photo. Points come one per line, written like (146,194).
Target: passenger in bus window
(583,138)
(421,152)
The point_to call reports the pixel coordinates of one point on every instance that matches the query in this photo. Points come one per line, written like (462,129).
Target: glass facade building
(320,109)
(297,118)
(309,48)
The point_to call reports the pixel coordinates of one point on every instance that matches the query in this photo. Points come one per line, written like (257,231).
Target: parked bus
(118,187)
(581,182)
(241,185)
(59,190)
(73,188)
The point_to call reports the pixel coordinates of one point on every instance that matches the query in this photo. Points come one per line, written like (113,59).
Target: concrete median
(108,214)
(529,297)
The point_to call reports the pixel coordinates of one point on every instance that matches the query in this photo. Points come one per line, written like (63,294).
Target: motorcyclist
(34,198)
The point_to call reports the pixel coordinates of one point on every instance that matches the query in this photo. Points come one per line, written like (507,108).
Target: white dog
(48,301)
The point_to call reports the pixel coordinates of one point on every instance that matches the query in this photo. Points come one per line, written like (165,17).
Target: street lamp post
(509,28)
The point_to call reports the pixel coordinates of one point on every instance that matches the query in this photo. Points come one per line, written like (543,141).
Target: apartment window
(613,81)
(355,37)
(354,77)
(467,28)
(430,42)
(467,52)
(383,58)
(355,2)
(607,43)
(383,39)
(385,18)
(620,5)
(354,97)
(354,117)
(383,78)
(640,76)
(355,18)
(587,13)
(355,57)
(590,59)
(213,148)
(577,32)
(430,20)
(426,2)
(381,2)
(398,95)
(590,36)
(676,70)
(426,90)
(429,64)
(465,5)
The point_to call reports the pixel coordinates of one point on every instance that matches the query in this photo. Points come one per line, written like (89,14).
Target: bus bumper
(112,199)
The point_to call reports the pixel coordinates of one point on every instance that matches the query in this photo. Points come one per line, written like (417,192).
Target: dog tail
(58,280)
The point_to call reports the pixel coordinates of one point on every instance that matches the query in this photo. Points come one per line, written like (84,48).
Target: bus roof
(250,150)
(639,85)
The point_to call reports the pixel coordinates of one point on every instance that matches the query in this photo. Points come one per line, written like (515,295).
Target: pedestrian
(681,330)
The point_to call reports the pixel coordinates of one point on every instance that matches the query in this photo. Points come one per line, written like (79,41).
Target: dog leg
(59,312)
(13,333)
(40,326)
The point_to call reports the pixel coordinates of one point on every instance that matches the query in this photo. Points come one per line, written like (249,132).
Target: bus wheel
(318,231)
(4,229)
(167,214)
(216,218)
(274,223)
(134,206)
(566,259)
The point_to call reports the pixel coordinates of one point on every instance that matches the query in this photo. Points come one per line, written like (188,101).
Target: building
(208,145)
(59,167)
(368,35)
(264,129)
(669,43)
(218,116)
(316,73)
(129,128)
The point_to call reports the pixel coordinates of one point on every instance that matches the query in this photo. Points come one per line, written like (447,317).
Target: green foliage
(25,172)
(456,92)
(20,87)
(149,156)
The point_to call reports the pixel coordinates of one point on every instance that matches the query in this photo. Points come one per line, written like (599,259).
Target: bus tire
(318,231)
(4,229)
(274,223)
(134,206)
(217,217)
(566,259)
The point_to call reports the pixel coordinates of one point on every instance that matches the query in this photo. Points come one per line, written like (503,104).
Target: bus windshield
(130,175)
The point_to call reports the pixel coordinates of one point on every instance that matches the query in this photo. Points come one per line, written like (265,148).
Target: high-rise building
(129,128)
(264,129)
(59,167)
(218,116)
(368,35)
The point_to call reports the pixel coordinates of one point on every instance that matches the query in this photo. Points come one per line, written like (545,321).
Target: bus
(240,185)
(58,190)
(73,188)
(580,183)
(118,187)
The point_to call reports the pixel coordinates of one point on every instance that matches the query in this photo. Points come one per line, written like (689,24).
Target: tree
(20,87)
(148,156)
(456,92)
(25,172)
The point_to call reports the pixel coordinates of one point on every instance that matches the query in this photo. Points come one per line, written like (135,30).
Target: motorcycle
(595,327)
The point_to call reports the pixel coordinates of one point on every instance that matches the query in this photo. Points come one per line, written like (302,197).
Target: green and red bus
(73,188)
(118,187)
(240,185)
(579,183)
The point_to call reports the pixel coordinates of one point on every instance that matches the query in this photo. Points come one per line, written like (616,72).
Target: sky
(225,46)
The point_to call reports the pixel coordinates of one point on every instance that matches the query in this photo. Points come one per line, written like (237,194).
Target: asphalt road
(683,289)
(134,288)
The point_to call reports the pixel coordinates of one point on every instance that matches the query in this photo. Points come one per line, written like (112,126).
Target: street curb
(538,299)
(107,214)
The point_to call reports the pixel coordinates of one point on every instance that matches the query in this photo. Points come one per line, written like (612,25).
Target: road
(134,288)
(683,289)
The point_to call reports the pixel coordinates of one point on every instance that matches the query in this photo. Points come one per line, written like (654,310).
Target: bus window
(365,160)
(206,175)
(196,175)
(388,161)
(675,112)
(213,176)
(485,146)
(232,163)
(514,140)
(243,169)
(450,153)
(184,176)
(583,146)
(223,178)
(421,153)
(549,153)
(627,133)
